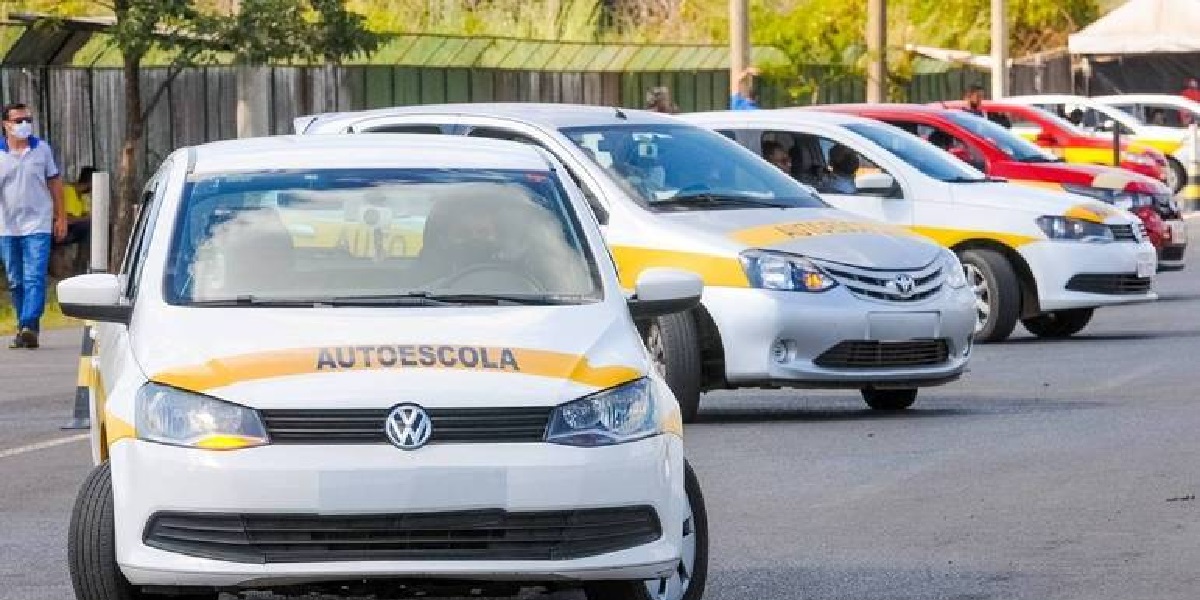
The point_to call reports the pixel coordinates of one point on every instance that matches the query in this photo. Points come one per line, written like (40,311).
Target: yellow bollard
(1189,196)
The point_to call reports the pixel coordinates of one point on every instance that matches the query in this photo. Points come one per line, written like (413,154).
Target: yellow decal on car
(949,238)
(227,371)
(713,269)
(1095,213)
(768,235)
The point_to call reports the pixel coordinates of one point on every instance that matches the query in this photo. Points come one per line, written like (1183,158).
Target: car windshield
(921,155)
(684,167)
(372,236)
(1015,146)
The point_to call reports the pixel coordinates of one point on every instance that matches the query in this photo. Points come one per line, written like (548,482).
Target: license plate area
(903,326)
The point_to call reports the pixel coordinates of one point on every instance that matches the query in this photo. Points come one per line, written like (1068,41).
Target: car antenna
(620,113)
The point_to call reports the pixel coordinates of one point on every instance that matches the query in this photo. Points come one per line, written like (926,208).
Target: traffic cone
(1189,196)
(81,415)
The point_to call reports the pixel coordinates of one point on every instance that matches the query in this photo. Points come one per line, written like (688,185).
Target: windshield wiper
(709,200)
(423,298)
(969,180)
(251,300)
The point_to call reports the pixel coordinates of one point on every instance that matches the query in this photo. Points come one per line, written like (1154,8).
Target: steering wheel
(503,272)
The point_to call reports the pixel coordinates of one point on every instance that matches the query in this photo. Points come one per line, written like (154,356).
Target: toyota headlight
(171,416)
(1064,228)
(956,276)
(618,415)
(778,271)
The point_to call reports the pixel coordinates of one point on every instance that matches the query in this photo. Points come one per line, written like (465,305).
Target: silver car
(797,293)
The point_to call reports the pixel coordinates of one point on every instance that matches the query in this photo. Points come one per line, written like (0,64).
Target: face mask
(22,130)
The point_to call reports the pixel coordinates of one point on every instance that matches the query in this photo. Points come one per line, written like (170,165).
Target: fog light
(780,351)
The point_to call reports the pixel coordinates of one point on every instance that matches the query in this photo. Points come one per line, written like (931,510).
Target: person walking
(974,100)
(745,98)
(32,213)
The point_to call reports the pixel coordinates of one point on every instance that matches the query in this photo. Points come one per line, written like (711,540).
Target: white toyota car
(473,414)
(1045,258)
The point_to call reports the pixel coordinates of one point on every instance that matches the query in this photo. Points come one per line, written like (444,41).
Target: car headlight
(1138,158)
(618,415)
(956,276)
(1064,228)
(777,271)
(171,416)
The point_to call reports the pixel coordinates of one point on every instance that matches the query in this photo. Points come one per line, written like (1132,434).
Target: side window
(139,240)
(495,133)
(850,173)
(407,128)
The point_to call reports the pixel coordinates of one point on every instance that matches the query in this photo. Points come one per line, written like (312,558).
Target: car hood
(1039,202)
(1089,175)
(821,233)
(380,357)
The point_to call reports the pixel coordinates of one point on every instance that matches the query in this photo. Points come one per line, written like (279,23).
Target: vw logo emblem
(904,284)
(408,427)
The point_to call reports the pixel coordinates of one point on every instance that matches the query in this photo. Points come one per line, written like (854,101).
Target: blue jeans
(26,260)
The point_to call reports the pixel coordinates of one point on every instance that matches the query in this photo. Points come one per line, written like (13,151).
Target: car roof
(552,115)
(1168,98)
(375,151)
(782,115)
(1050,98)
(898,109)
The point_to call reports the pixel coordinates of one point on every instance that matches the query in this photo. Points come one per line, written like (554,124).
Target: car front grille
(365,426)
(466,535)
(874,354)
(1126,233)
(1109,283)
(1172,252)
(882,284)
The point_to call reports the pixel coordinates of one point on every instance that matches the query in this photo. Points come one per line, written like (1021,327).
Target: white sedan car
(1045,258)
(480,414)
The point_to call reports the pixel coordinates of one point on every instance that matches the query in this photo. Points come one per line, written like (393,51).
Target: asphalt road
(1056,470)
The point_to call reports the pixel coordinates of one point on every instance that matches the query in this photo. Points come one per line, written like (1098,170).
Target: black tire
(889,399)
(91,547)
(1002,294)
(1178,173)
(674,343)
(638,590)
(1060,323)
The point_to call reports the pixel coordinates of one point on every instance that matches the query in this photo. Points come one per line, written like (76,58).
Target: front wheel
(889,399)
(997,293)
(1060,323)
(1176,175)
(674,344)
(690,576)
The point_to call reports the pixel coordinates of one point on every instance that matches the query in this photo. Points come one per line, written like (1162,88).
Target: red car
(1071,143)
(1000,153)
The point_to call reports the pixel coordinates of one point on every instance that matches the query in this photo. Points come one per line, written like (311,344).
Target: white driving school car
(797,293)
(475,413)
(1047,258)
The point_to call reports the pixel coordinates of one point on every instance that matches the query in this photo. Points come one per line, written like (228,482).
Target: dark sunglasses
(21,120)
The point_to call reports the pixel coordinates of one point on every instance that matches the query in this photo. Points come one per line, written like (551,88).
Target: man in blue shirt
(744,98)
(31,211)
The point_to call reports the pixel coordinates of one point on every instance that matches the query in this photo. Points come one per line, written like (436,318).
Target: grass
(53,319)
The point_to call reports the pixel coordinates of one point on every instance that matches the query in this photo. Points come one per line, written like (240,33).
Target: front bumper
(151,478)
(752,322)
(1054,264)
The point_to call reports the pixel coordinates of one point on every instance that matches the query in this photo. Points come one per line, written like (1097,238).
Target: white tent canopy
(1142,27)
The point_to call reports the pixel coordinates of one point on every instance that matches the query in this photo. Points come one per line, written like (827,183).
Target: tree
(260,32)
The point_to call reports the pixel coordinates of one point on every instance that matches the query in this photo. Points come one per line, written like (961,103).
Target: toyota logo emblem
(408,427)
(904,284)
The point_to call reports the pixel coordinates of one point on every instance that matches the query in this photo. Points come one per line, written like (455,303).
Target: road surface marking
(44,445)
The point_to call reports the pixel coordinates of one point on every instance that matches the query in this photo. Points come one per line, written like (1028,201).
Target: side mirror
(875,184)
(1107,125)
(661,291)
(94,297)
